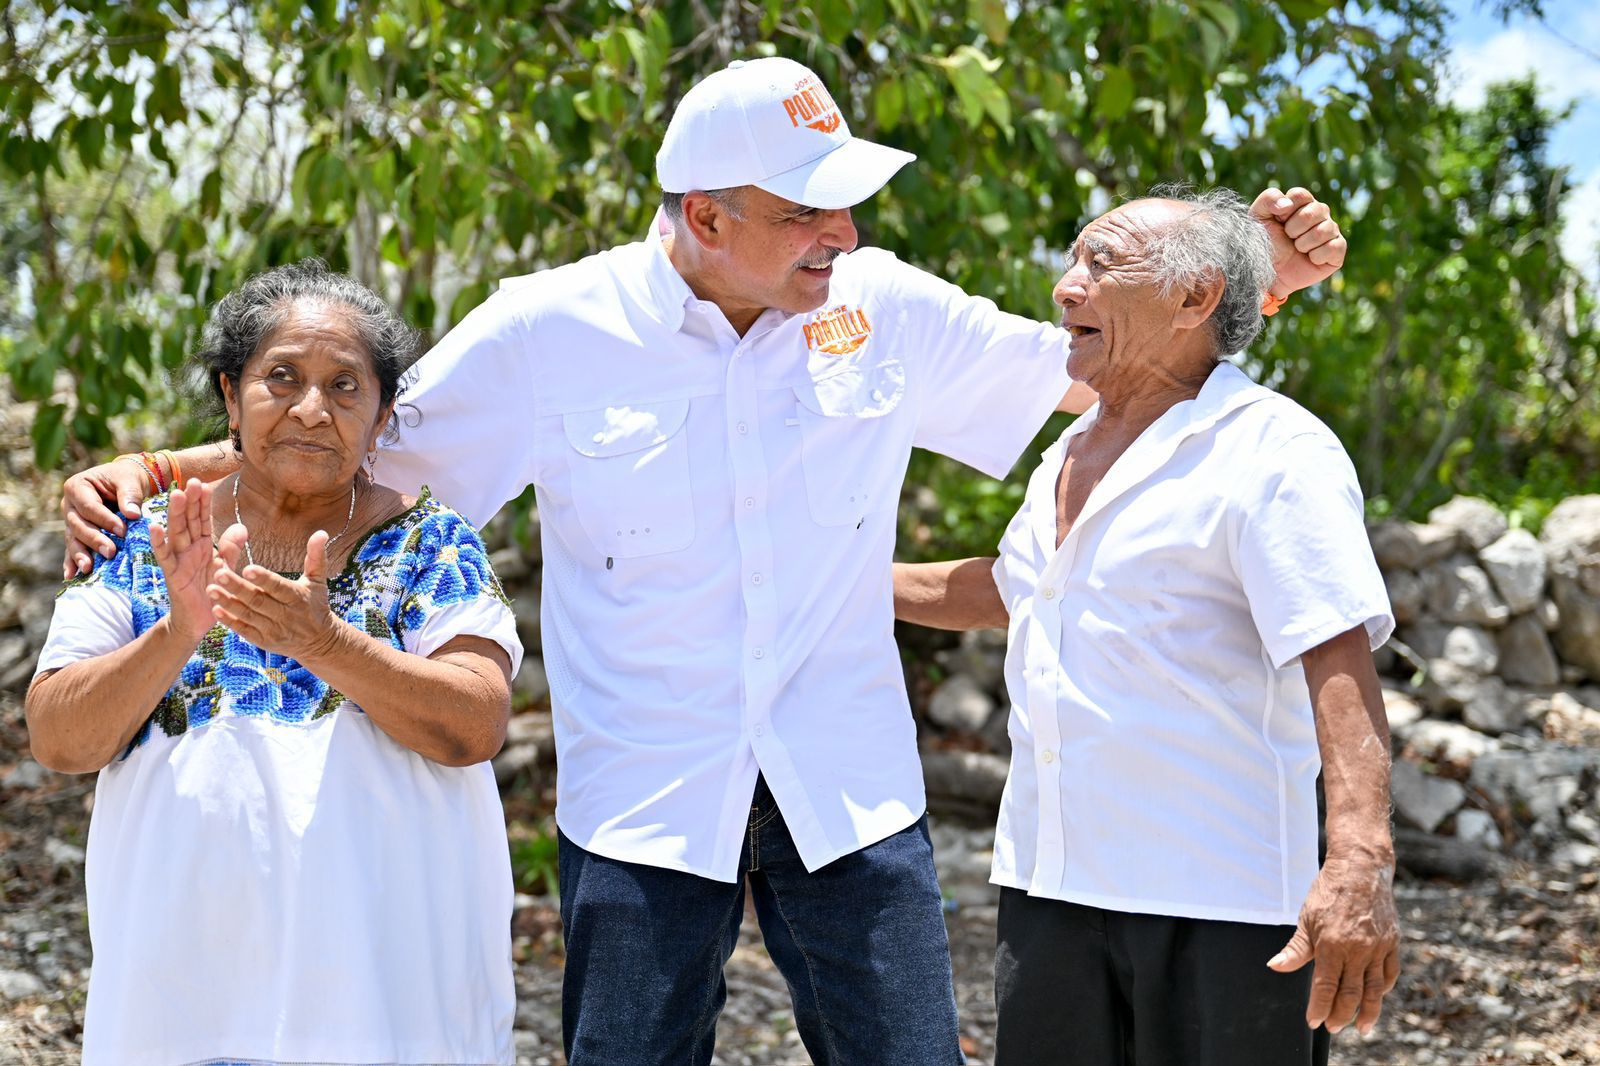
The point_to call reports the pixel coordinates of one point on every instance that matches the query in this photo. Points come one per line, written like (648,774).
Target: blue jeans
(861,943)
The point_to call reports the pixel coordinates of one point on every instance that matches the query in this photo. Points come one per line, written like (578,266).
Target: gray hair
(1217,236)
(248,315)
(732,201)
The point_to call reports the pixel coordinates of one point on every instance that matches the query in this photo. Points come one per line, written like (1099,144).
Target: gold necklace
(251,559)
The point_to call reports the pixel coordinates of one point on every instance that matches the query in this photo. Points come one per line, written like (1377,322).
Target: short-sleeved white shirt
(717,517)
(1164,752)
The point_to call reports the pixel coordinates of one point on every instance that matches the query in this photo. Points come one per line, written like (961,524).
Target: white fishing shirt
(717,517)
(1164,754)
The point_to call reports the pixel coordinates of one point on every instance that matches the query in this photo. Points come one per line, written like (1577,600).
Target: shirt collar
(1226,389)
(669,293)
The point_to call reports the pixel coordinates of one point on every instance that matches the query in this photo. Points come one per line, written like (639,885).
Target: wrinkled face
(1109,298)
(779,254)
(307,406)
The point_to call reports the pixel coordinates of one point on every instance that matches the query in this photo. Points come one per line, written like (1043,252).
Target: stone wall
(1492,682)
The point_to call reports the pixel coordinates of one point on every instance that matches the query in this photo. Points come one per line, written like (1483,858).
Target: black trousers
(1081,986)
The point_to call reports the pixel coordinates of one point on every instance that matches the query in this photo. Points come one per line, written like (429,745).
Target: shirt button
(759,653)
(1048,756)
(877,395)
(599,438)
(760,731)
(755,579)
(749,501)
(742,428)
(1049,593)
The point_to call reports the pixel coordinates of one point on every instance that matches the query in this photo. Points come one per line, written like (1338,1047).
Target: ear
(705,219)
(230,399)
(380,425)
(1199,301)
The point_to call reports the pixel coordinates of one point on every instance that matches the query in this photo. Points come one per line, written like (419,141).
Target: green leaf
(1224,15)
(211,194)
(49,435)
(971,75)
(991,17)
(1116,92)
(889,103)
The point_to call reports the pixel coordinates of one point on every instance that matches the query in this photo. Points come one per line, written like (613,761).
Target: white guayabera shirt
(717,521)
(1164,753)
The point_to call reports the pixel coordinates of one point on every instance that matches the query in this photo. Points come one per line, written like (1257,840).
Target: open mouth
(1083,331)
(818,272)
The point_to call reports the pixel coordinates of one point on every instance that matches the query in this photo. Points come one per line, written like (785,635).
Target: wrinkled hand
(290,617)
(183,548)
(84,500)
(1349,927)
(1306,243)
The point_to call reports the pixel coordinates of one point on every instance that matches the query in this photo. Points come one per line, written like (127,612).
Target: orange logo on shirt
(812,107)
(837,331)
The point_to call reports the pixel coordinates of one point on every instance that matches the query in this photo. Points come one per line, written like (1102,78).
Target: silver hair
(732,201)
(1218,235)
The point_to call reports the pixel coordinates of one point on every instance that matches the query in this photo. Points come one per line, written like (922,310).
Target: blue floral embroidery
(399,576)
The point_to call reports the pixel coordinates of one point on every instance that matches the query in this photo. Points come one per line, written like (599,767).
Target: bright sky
(1568,70)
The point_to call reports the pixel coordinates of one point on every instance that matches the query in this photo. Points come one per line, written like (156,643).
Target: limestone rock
(1422,799)
(1448,742)
(1572,529)
(981,654)
(1542,781)
(37,554)
(1446,686)
(1478,521)
(1548,614)
(1577,639)
(1469,647)
(1516,564)
(964,783)
(1459,591)
(19,984)
(531,685)
(1435,542)
(1395,545)
(960,704)
(1571,722)
(1494,710)
(1478,827)
(1576,856)
(1526,657)
(1401,710)
(1407,595)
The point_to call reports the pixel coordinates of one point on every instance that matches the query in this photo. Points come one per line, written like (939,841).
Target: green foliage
(536,859)
(153,153)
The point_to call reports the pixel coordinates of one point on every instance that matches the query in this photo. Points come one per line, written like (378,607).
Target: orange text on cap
(812,107)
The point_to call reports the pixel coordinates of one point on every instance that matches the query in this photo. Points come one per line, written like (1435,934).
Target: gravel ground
(1505,972)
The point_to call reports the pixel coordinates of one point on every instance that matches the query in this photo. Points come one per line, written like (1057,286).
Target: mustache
(817,262)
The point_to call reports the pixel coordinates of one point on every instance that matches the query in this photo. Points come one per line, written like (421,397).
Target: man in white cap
(717,422)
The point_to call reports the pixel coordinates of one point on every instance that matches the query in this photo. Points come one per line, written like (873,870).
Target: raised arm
(958,594)
(1348,924)
(87,498)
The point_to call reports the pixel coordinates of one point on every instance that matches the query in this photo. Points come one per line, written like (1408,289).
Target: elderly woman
(297,852)
(1192,604)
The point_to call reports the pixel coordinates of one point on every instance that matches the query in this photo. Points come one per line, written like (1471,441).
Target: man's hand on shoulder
(1307,245)
(86,500)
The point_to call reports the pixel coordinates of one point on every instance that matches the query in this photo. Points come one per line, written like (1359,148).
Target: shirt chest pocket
(630,477)
(854,441)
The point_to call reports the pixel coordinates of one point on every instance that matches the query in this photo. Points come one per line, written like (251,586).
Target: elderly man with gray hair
(1192,605)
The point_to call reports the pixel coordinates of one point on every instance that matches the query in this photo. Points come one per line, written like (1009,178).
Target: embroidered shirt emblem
(811,106)
(837,331)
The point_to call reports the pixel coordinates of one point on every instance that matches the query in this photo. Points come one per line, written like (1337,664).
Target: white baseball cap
(771,123)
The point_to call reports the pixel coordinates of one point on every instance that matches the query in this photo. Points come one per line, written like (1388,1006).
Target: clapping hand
(288,616)
(183,549)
